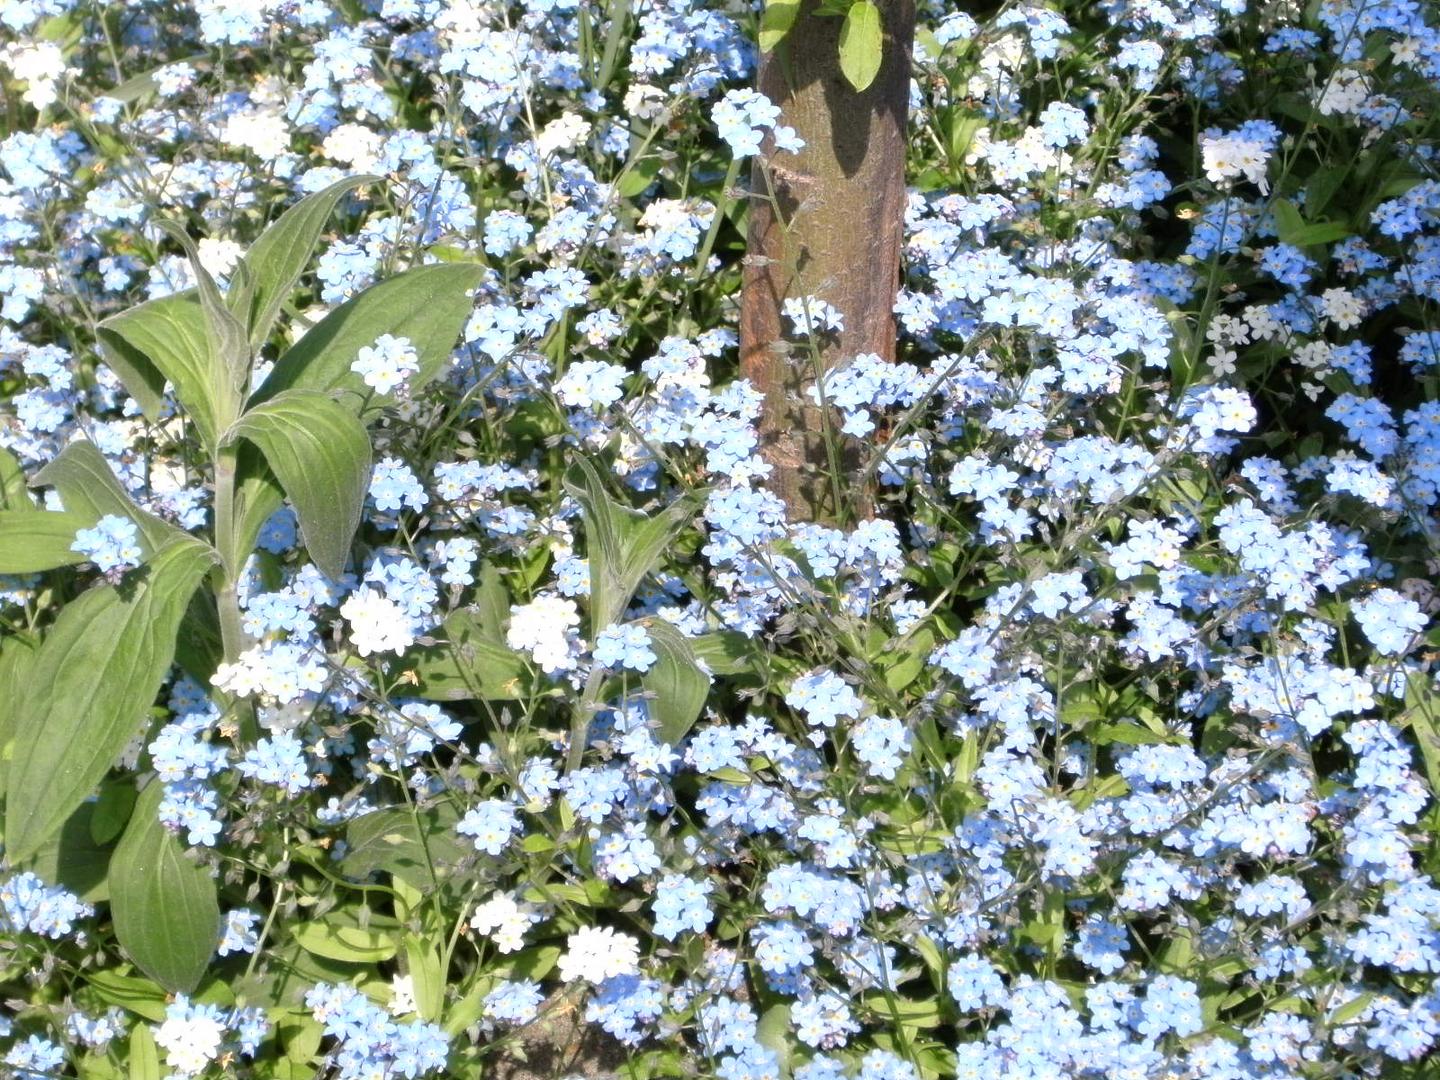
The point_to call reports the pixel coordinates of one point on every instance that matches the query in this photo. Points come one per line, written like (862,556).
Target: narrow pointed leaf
(228,356)
(862,44)
(166,914)
(622,544)
(144,1060)
(89,489)
(320,453)
(275,262)
(90,687)
(32,542)
(428,305)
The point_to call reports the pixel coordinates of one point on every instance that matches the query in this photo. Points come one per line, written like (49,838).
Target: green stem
(233,639)
(580,719)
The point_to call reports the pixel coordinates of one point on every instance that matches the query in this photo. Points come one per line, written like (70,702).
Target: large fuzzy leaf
(275,262)
(31,542)
(89,489)
(320,453)
(675,684)
(168,339)
(622,544)
(164,905)
(429,305)
(90,687)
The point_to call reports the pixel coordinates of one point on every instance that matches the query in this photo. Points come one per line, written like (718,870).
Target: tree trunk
(825,222)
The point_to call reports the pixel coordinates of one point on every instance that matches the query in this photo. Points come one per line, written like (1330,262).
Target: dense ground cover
(406,670)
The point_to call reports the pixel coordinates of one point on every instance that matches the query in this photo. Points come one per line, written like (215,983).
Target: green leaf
(89,490)
(144,1061)
(492,603)
(905,1011)
(773,1033)
(31,542)
(676,681)
(167,918)
(422,963)
(17,652)
(73,859)
(862,44)
(13,495)
(429,305)
(1293,229)
(321,454)
(112,810)
(1351,1010)
(301,1035)
(275,262)
(1422,717)
(622,544)
(638,177)
(775,23)
(168,339)
(1320,232)
(144,84)
(348,944)
(199,648)
(228,358)
(90,688)
(420,848)
(139,996)
(469,664)
(726,652)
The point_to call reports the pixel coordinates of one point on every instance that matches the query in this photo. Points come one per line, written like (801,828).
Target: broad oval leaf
(419,847)
(89,489)
(320,453)
(90,688)
(275,262)
(469,664)
(862,44)
(429,305)
(31,542)
(168,339)
(167,917)
(74,859)
(779,16)
(677,685)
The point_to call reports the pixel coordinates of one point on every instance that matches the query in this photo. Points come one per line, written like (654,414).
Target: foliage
(406,671)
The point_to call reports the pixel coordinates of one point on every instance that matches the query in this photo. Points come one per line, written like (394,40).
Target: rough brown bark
(833,230)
